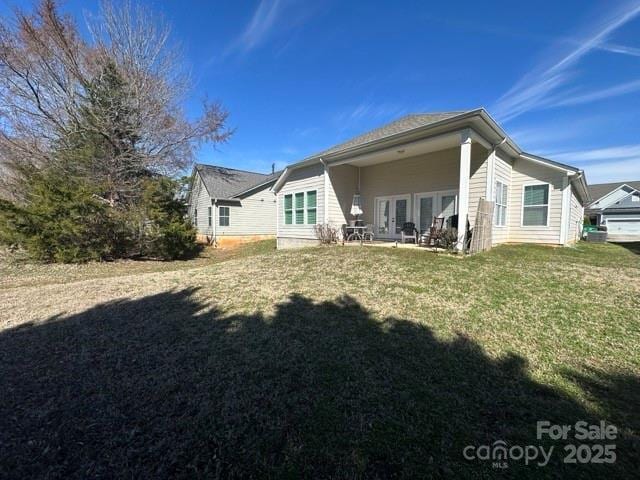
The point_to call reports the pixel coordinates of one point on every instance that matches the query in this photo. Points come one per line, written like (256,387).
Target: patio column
(463,187)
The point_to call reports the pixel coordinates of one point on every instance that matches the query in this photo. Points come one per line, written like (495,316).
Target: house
(432,164)
(230,206)
(616,206)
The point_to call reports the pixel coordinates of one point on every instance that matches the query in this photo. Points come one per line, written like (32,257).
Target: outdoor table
(355,232)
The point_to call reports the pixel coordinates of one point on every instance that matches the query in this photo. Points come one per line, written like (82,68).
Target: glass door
(391,213)
(401,210)
(425,203)
(383,221)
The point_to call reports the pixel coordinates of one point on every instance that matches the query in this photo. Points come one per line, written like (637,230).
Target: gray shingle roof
(599,190)
(404,124)
(225,183)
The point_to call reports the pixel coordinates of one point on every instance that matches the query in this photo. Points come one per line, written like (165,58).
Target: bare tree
(48,82)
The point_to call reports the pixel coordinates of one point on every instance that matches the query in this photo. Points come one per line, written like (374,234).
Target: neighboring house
(616,206)
(434,164)
(229,206)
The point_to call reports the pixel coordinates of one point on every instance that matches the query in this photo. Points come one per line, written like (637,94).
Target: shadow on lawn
(633,247)
(163,387)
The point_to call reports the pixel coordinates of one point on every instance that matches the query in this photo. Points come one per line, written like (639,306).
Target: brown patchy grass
(324,362)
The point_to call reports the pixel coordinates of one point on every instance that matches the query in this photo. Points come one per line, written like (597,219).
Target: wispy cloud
(259,27)
(365,112)
(624,49)
(589,97)
(619,152)
(511,32)
(608,164)
(270,19)
(533,90)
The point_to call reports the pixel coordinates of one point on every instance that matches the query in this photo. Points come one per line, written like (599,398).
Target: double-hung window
(195,217)
(223,213)
(535,205)
(301,208)
(311,207)
(288,209)
(299,199)
(501,204)
(209,216)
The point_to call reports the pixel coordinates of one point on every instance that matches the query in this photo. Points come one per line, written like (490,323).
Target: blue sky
(563,78)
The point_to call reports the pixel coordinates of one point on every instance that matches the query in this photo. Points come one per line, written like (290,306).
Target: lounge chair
(409,232)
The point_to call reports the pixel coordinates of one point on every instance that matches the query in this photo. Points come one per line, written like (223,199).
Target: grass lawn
(317,363)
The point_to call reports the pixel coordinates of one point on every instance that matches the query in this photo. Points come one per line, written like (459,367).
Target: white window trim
(548,205)
(228,216)
(306,207)
(305,220)
(437,195)
(284,212)
(410,209)
(506,205)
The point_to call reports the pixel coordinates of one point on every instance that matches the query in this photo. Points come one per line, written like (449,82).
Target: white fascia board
(547,164)
(281,179)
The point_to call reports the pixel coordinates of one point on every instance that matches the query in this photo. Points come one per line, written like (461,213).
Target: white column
(463,188)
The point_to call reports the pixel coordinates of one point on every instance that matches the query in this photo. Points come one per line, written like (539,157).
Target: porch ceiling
(405,150)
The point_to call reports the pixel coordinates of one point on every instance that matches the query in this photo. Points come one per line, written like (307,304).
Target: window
(288,209)
(223,213)
(535,205)
(299,208)
(209,216)
(501,205)
(195,217)
(295,206)
(311,207)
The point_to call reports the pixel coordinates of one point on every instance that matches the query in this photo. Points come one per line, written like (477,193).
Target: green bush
(62,221)
(66,220)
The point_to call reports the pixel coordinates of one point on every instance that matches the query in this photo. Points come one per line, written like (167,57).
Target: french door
(434,204)
(391,213)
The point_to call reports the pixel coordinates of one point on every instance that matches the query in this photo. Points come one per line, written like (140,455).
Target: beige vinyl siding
(576,218)
(477,180)
(424,173)
(529,173)
(502,174)
(343,182)
(200,200)
(254,215)
(302,180)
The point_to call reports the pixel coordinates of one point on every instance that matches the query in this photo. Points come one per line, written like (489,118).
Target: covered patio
(442,176)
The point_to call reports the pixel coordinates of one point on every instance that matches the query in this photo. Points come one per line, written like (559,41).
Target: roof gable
(225,183)
(601,192)
(403,124)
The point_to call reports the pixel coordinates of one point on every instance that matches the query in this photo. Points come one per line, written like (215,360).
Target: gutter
(581,184)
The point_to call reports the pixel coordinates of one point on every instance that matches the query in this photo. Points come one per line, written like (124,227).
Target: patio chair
(345,233)
(409,232)
(431,238)
(368,233)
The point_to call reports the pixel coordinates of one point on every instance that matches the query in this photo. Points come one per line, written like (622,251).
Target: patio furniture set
(359,232)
